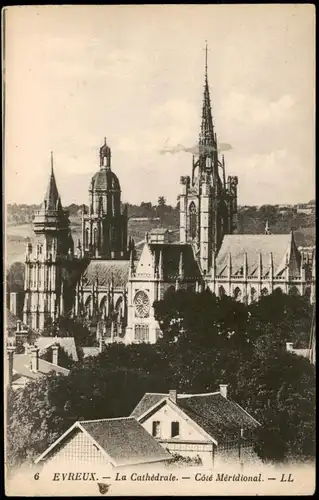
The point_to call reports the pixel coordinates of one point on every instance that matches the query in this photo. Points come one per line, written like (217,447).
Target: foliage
(64,358)
(206,341)
(180,461)
(15,277)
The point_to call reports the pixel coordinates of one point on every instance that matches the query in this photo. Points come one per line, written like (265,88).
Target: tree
(15,277)
(65,359)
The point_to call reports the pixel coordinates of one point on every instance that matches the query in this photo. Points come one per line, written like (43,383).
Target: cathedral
(102,282)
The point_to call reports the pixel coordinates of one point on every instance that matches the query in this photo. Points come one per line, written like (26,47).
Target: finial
(104,141)
(51,162)
(206,50)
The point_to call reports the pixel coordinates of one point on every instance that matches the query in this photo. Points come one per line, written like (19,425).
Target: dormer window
(175,429)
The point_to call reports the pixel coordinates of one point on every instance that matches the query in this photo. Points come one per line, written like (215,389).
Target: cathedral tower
(208,203)
(104,227)
(46,259)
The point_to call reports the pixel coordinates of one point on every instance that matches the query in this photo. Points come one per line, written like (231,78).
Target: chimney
(173,395)
(34,359)
(223,390)
(10,354)
(55,354)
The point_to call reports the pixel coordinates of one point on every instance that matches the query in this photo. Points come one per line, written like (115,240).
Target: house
(159,235)
(66,343)
(208,425)
(115,442)
(22,368)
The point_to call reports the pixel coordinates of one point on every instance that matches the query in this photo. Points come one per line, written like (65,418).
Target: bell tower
(45,260)
(104,227)
(207,203)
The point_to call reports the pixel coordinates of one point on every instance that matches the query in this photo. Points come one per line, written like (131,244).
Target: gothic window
(294,291)
(221,291)
(95,237)
(175,429)
(141,333)
(169,291)
(100,204)
(308,292)
(253,295)
(237,294)
(192,220)
(86,243)
(103,308)
(142,305)
(156,429)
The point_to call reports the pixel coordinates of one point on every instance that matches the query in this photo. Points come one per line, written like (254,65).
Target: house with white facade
(209,425)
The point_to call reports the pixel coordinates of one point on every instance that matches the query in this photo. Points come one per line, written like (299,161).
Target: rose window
(142,305)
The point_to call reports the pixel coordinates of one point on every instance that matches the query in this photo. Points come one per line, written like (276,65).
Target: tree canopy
(206,341)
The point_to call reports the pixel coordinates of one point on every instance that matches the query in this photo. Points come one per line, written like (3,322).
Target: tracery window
(192,220)
(141,304)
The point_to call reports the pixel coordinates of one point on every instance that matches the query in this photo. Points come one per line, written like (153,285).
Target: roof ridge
(201,394)
(106,419)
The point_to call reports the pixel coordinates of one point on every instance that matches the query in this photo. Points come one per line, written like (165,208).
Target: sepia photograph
(160,250)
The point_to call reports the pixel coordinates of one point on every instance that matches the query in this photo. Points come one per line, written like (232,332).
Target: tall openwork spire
(206,136)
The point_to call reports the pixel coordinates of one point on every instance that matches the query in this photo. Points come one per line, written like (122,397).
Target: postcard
(160,250)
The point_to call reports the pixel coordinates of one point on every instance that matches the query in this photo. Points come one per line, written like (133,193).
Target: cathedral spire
(52,198)
(206,136)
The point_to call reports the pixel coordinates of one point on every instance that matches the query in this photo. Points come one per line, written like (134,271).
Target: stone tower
(46,260)
(104,227)
(208,203)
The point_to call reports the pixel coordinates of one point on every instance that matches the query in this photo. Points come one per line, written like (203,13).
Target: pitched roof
(90,351)
(67,343)
(147,401)
(171,253)
(105,270)
(22,367)
(280,245)
(216,415)
(159,230)
(125,440)
(52,200)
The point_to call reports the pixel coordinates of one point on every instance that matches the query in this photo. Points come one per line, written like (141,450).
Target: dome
(105,180)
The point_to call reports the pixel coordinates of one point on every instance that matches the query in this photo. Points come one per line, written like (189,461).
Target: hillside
(145,217)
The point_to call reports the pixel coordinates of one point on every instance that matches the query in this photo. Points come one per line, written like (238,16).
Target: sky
(135,74)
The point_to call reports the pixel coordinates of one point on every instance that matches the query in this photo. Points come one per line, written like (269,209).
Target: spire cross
(206,58)
(51,162)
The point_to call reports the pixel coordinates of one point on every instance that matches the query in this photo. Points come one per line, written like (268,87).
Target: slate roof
(90,351)
(171,257)
(125,440)
(159,230)
(22,363)
(216,415)
(104,270)
(280,245)
(147,401)
(67,343)
(52,200)
(105,180)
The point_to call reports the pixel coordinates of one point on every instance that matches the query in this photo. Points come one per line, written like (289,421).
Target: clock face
(142,305)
